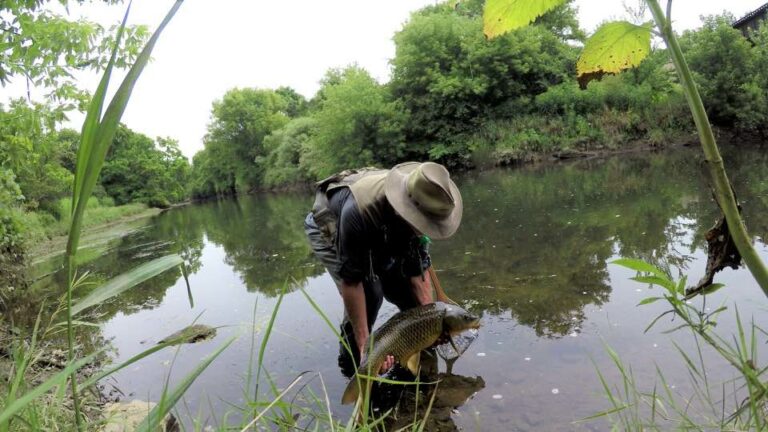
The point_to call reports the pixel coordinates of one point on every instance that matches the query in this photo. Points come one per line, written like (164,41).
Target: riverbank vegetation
(465,101)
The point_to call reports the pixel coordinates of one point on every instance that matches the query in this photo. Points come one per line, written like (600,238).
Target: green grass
(43,226)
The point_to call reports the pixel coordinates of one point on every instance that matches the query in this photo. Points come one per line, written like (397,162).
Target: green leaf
(168,400)
(639,265)
(615,46)
(712,288)
(501,16)
(655,280)
(649,300)
(126,281)
(101,135)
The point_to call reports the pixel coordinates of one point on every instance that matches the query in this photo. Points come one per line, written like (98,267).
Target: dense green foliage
(138,169)
(45,48)
(37,157)
(461,99)
(234,144)
(37,163)
(731,72)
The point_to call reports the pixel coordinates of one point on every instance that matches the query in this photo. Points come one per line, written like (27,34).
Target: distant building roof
(758,13)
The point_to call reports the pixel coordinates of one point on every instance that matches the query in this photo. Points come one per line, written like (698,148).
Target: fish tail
(358,387)
(352,392)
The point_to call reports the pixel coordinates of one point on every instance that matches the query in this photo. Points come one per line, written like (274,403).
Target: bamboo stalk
(723,192)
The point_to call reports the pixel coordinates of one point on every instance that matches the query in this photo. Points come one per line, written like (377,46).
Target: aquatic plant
(635,408)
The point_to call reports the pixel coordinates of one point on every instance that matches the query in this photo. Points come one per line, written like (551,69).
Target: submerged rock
(192,334)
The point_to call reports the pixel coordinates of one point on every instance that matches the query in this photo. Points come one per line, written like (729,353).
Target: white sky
(212,46)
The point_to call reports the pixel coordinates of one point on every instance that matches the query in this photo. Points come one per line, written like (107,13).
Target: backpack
(325,218)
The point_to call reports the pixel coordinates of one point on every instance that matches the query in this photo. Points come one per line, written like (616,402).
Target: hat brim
(396,190)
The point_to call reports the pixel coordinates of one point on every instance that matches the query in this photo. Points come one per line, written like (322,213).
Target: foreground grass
(739,404)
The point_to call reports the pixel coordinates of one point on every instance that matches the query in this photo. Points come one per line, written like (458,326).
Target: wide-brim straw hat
(425,196)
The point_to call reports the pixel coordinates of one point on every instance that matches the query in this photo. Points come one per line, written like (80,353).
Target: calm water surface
(531,257)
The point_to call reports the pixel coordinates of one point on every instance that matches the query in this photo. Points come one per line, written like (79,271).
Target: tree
(45,48)
(450,78)
(240,121)
(137,169)
(357,123)
(29,149)
(288,161)
(723,66)
(296,104)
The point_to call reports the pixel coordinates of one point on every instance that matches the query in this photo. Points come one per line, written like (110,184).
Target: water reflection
(531,256)
(534,242)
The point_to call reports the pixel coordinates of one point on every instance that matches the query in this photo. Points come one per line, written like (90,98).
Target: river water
(532,257)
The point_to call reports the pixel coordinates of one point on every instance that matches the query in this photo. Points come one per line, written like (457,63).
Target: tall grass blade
(168,401)
(265,339)
(126,281)
(19,404)
(92,380)
(274,401)
(103,134)
(92,117)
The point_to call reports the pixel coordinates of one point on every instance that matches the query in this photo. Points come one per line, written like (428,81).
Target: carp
(405,335)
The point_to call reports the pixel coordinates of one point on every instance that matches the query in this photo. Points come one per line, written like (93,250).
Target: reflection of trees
(262,236)
(534,242)
(264,239)
(543,262)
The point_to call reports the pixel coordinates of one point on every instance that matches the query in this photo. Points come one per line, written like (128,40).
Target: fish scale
(405,335)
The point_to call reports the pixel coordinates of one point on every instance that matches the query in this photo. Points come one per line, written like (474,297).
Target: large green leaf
(501,16)
(99,136)
(126,281)
(615,46)
(168,400)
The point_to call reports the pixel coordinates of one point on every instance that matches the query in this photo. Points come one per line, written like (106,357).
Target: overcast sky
(212,46)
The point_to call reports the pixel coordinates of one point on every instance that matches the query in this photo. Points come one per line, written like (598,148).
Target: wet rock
(126,417)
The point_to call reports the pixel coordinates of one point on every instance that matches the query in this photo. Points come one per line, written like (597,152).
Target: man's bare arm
(354,303)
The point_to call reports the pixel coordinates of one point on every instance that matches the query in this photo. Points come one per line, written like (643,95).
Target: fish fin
(440,294)
(413,363)
(352,392)
(453,344)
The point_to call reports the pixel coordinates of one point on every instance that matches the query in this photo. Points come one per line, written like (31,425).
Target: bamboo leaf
(167,402)
(107,372)
(19,404)
(502,16)
(615,46)
(126,281)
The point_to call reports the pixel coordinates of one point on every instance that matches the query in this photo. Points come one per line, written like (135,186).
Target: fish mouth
(471,325)
(474,324)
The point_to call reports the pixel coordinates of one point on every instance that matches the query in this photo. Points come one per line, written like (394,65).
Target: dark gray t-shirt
(391,250)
